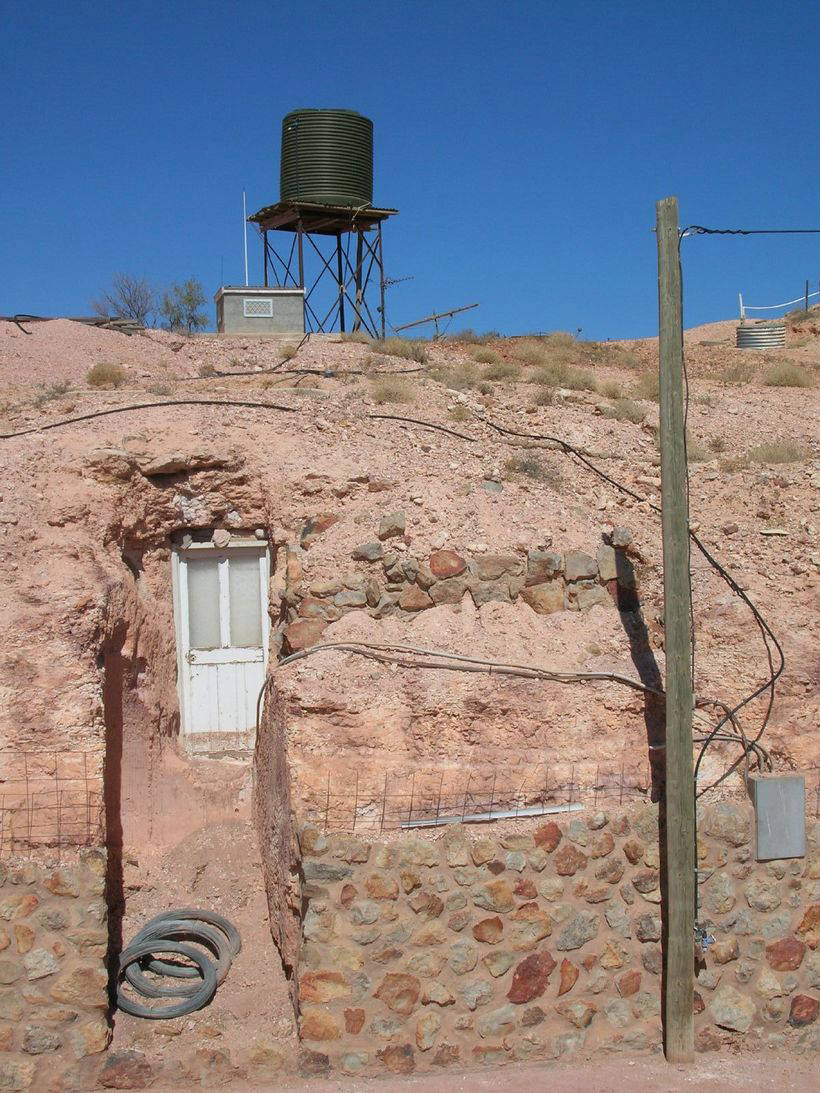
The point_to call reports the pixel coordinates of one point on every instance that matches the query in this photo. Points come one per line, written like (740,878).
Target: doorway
(222,632)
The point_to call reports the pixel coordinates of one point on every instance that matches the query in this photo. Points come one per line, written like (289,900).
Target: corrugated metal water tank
(761,336)
(327,157)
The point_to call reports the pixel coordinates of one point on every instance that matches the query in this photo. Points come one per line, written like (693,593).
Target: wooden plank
(679,791)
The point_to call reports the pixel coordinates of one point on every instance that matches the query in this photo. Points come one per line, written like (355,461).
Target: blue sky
(524,144)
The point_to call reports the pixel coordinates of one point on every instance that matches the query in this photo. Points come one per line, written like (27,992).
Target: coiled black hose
(205,928)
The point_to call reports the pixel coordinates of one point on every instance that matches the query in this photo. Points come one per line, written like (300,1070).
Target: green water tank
(327,157)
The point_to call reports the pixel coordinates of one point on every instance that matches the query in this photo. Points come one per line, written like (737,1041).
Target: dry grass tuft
(777,451)
(206,370)
(738,371)
(788,374)
(484,355)
(610,388)
(624,409)
(460,413)
(356,336)
(458,377)
(544,397)
(158,389)
(717,444)
(502,371)
(288,352)
(390,389)
(648,386)
(533,466)
(49,393)
(401,347)
(105,374)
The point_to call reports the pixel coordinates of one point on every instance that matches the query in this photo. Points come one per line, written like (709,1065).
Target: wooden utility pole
(679,980)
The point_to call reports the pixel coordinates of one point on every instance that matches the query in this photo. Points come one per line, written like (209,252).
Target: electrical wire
(147,406)
(698,229)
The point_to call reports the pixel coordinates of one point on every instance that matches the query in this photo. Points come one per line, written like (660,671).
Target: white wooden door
(222,628)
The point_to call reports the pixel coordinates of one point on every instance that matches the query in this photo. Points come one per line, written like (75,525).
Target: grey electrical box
(780,818)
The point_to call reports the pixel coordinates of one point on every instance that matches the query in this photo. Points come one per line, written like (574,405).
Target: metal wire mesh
(49,800)
(423,797)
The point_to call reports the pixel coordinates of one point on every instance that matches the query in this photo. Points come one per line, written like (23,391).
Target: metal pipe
(485,817)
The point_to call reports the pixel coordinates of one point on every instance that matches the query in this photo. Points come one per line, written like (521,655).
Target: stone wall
(542,940)
(389,579)
(53,978)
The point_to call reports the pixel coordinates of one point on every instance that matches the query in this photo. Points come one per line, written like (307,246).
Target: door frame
(179,584)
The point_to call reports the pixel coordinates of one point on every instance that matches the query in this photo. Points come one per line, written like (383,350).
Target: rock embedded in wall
(545,580)
(481,947)
(53,976)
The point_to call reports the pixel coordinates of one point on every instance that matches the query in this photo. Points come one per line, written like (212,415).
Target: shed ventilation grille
(257,309)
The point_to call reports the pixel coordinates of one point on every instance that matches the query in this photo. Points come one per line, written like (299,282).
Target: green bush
(180,306)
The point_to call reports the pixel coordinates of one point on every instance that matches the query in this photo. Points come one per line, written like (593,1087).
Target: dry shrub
(158,389)
(105,374)
(390,389)
(459,413)
(777,451)
(288,352)
(788,374)
(206,370)
(624,409)
(739,371)
(533,466)
(458,377)
(610,388)
(717,444)
(695,451)
(401,347)
(359,336)
(560,339)
(648,386)
(502,371)
(544,397)
(484,356)
(734,463)
(470,337)
(51,392)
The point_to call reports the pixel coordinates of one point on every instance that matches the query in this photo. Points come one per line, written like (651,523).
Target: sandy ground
(720,1073)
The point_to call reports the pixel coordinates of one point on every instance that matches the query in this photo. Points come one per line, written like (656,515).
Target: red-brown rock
(633,851)
(548,836)
(381,886)
(531,977)
(302,634)
(525,889)
(354,1020)
(629,983)
(489,930)
(347,894)
(785,955)
(810,925)
(323,986)
(568,860)
(446,563)
(569,977)
(398,1058)
(414,598)
(602,844)
(126,1070)
(803,1010)
(399,992)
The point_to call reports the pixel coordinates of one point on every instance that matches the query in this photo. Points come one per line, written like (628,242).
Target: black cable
(698,229)
(148,406)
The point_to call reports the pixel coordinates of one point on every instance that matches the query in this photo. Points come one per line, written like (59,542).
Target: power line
(698,229)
